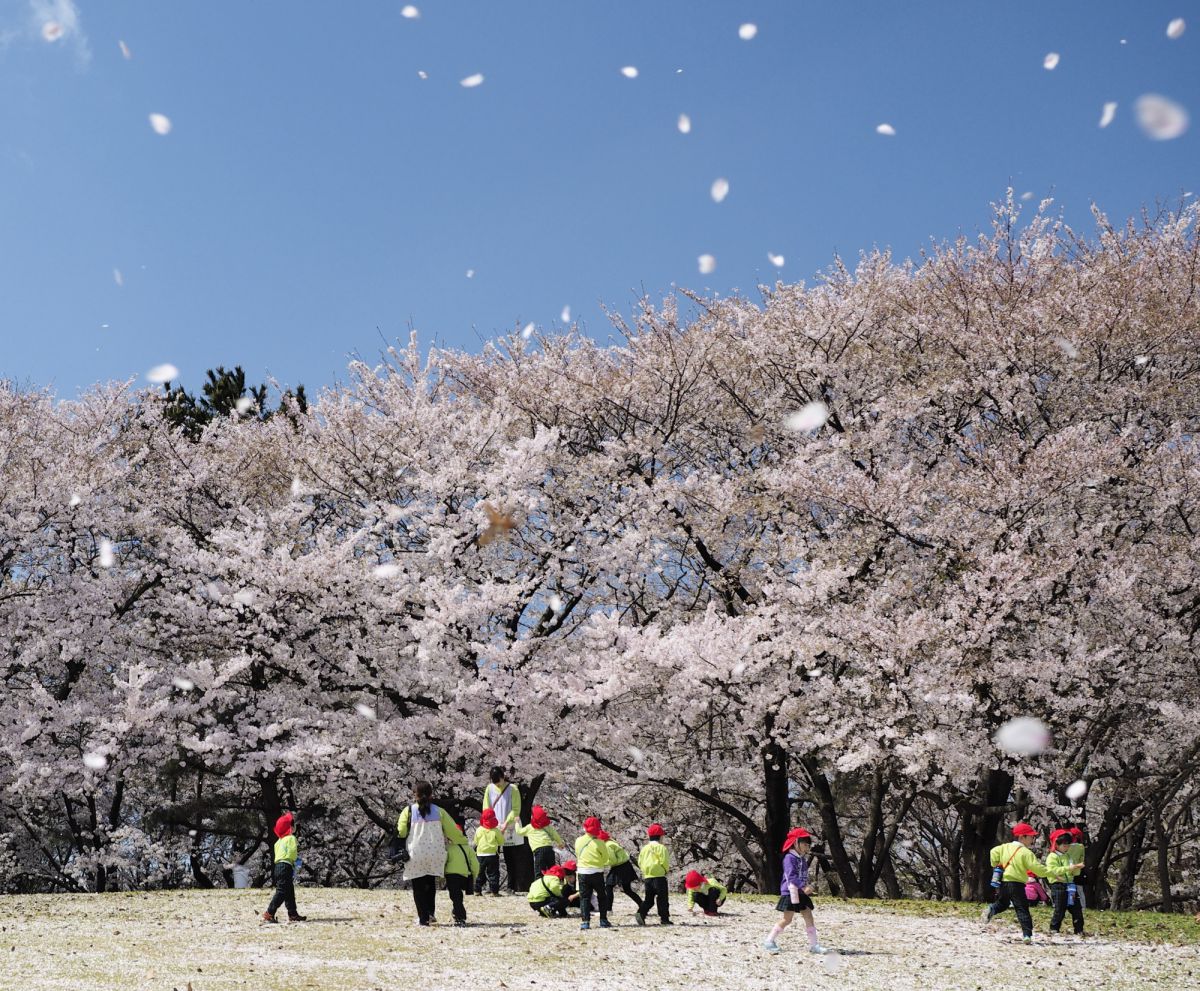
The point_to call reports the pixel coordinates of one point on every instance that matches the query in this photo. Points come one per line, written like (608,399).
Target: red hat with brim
(1076,833)
(283,825)
(655,831)
(538,818)
(556,871)
(693,880)
(1056,835)
(488,820)
(603,836)
(1023,829)
(793,835)
(591,826)
(570,867)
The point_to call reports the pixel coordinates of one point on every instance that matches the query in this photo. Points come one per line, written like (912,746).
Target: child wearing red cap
(547,895)
(795,893)
(620,873)
(570,879)
(592,855)
(1064,889)
(1078,854)
(1016,861)
(704,893)
(286,853)
(489,838)
(542,837)
(654,861)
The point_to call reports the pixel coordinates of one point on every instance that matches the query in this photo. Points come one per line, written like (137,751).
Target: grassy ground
(363,941)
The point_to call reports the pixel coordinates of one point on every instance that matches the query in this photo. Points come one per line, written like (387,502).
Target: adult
(427,829)
(502,797)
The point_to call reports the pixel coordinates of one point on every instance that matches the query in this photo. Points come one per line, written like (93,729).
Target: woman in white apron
(427,830)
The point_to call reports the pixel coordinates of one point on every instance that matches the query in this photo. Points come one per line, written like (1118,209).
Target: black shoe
(460,922)
(666,922)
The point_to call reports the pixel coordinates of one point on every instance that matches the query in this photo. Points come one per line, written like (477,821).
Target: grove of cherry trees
(620,570)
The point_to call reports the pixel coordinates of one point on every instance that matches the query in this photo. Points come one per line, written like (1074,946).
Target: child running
(592,855)
(654,861)
(704,893)
(795,893)
(286,852)
(620,873)
(489,838)
(462,868)
(542,837)
(1016,861)
(547,895)
(1064,891)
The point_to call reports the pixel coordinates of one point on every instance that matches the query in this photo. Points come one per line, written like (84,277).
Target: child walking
(489,838)
(1016,862)
(461,868)
(283,873)
(1078,854)
(591,854)
(654,861)
(704,893)
(620,873)
(542,837)
(795,893)
(1064,891)
(427,829)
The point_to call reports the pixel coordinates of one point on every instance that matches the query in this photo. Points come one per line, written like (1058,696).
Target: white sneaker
(770,946)
(985,917)
(817,948)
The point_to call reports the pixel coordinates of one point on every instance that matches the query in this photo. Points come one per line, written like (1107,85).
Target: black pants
(590,884)
(512,865)
(543,860)
(285,889)
(424,891)
(709,901)
(1058,897)
(553,905)
(456,886)
(489,870)
(621,876)
(1013,893)
(657,890)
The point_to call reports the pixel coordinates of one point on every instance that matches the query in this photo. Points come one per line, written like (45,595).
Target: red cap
(1030,874)
(799,833)
(538,818)
(602,835)
(655,831)
(570,866)
(1023,829)
(1076,833)
(591,826)
(556,871)
(693,880)
(488,820)
(283,825)
(1056,835)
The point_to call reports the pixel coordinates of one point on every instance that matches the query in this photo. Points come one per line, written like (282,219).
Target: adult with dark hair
(427,830)
(503,797)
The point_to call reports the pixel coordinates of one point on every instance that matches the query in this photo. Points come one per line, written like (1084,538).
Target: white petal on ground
(684,124)
(810,417)
(1050,61)
(125,50)
(107,557)
(527,331)
(243,405)
(707,263)
(886,130)
(1160,118)
(364,710)
(385,571)
(472,81)
(409,11)
(720,189)
(629,71)
(1107,115)
(1176,28)
(161,123)
(565,316)
(1025,736)
(162,373)
(118,278)
(747,31)
(95,762)
(776,260)
(183,684)
(1076,790)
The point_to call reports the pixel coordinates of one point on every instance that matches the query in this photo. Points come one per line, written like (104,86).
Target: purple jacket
(795,871)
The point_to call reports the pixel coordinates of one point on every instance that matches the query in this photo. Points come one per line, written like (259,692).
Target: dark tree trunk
(981,829)
(1132,862)
(890,881)
(831,827)
(1163,848)
(778,809)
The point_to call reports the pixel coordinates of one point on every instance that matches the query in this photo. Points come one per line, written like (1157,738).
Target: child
(1016,861)
(547,895)
(621,873)
(543,838)
(489,838)
(1078,854)
(654,861)
(1064,891)
(795,893)
(427,829)
(286,852)
(570,883)
(592,855)
(1035,890)
(462,868)
(705,893)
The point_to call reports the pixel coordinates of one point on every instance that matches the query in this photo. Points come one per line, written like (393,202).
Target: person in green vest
(704,893)
(1064,890)
(462,867)
(287,852)
(504,798)
(542,837)
(547,895)
(654,861)
(1017,862)
(427,828)
(1078,854)
(591,855)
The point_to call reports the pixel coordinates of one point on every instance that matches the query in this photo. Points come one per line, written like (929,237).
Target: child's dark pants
(1013,893)
(621,876)
(543,860)
(1058,895)
(657,890)
(285,889)
(708,902)
(456,886)
(489,871)
(424,891)
(590,884)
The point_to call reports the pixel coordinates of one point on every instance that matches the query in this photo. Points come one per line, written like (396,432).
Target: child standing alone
(283,874)
(795,893)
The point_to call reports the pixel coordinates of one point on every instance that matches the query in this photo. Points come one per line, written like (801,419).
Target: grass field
(363,941)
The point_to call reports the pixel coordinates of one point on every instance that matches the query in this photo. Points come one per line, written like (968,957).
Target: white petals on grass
(1025,736)
(52,31)
(1050,62)
(629,71)
(386,571)
(409,11)
(707,263)
(565,316)
(125,50)
(1076,790)
(810,417)
(720,189)
(776,260)
(1176,28)
(95,762)
(364,710)
(886,130)
(472,81)
(162,373)
(183,684)
(107,556)
(684,124)
(747,31)
(1107,115)
(1160,118)
(161,123)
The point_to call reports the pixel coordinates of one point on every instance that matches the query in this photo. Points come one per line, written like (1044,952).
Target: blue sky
(314,192)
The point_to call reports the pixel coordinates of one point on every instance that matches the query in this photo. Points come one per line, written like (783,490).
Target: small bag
(398,850)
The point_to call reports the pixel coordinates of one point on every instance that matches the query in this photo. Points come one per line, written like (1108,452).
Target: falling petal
(1176,28)
(684,124)
(1027,195)
(527,331)
(364,710)
(747,31)
(707,263)
(245,597)
(52,31)
(1109,112)
(1067,347)
(638,756)
(162,373)
(1160,118)
(739,669)
(95,762)
(107,556)
(886,130)
(161,123)
(720,189)
(118,278)
(243,405)
(470,273)
(1076,790)
(832,962)
(297,488)
(422,74)
(409,11)
(75,500)
(776,260)
(125,50)
(472,81)
(385,571)
(809,417)
(565,316)
(1050,61)
(499,525)
(556,603)
(183,684)
(629,71)
(1025,736)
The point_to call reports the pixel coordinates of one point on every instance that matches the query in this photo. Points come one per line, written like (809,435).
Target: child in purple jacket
(795,893)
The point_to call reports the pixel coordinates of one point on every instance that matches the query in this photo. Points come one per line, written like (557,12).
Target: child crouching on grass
(547,895)
(286,852)
(795,893)
(704,893)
